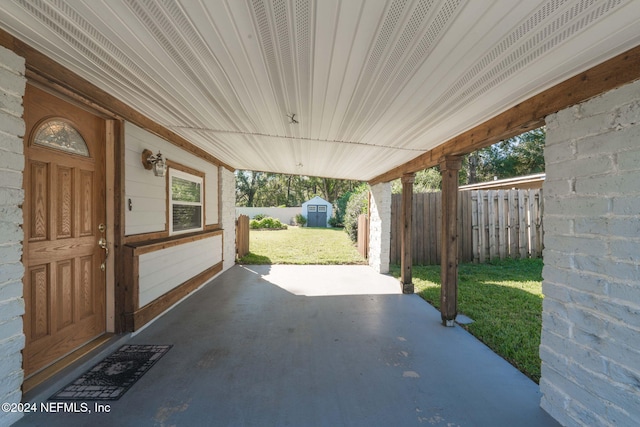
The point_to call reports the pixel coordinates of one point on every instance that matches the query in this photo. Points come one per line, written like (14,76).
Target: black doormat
(111,378)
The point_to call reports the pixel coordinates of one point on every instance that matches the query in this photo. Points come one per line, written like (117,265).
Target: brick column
(380,227)
(228,220)
(590,343)
(449,168)
(12,86)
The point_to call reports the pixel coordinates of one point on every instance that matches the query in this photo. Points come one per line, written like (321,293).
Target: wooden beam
(529,114)
(405,257)
(46,70)
(449,168)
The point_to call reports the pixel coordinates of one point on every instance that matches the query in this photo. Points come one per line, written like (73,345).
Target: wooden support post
(405,256)
(449,167)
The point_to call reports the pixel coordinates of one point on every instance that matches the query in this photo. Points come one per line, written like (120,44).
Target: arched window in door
(60,135)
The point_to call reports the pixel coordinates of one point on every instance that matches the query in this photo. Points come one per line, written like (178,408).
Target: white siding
(12,86)
(148,193)
(163,270)
(590,347)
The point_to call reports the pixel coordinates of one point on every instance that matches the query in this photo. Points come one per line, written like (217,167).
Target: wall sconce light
(157,163)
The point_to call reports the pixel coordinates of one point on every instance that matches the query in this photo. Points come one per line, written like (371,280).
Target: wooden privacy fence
(491,224)
(363,235)
(242,236)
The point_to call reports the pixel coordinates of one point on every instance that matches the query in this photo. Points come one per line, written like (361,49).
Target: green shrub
(259,217)
(357,204)
(339,210)
(300,220)
(268,223)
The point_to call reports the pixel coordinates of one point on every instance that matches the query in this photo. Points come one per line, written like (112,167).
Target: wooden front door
(64,285)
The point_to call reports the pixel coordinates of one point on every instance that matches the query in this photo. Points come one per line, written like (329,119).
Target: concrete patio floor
(314,346)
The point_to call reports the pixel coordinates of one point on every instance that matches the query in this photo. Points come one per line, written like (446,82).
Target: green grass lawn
(301,245)
(505,301)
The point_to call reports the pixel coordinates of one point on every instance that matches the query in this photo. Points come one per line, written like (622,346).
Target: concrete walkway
(314,346)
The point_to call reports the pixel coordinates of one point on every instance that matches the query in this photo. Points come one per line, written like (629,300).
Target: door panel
(64,204)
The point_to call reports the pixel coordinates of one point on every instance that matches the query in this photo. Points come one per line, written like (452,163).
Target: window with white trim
(185,202)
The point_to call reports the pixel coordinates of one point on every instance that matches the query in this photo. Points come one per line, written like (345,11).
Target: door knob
(104,245)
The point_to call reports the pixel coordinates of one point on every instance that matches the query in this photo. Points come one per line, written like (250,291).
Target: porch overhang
(355,90)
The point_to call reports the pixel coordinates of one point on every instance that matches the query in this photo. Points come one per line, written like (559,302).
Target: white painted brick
(10,102)
(590,245)
(614,351)
(12,128)
(579,398)
(11,232)
(555,291)
(13,85)
(626,205)
(11,125)
(625,139)
(10,178)
(610,184)
(12,161)
(558,187)
(604,390)
(558,259)
(10,309)
(629,291)
(11,61)
(11,197)
(611,100)
(628,115)
(624,226)
(626,376)
(10,143)
(582,167)
(10,346)
(10,253)
(555,401)
(11,272)
(557,324)
(630,161)
(379,227)
(607,266)
(556,309)
(592,225)
(559,153)
(9,290)
(11,328)
(11,214)
(577,205)
(621,417)
(618,311)
(228,199)
(576,129)
(592,303)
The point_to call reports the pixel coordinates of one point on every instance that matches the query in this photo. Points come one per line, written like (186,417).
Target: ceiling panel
(372,83)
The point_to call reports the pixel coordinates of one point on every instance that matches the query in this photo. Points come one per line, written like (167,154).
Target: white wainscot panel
(163,270)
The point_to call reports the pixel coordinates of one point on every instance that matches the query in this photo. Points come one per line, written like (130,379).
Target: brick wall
(380,227)
(228,199)
(12,86)
(590,346)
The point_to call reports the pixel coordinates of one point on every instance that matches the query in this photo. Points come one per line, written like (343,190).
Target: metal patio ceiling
(344,89)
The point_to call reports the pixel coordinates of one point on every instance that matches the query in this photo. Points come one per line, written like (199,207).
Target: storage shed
(317,211)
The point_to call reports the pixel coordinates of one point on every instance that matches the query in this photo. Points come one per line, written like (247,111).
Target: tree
(427,180)
(520,155)
(247,185)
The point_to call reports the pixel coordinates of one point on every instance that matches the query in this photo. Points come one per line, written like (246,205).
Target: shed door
(317,216)
(64,285)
